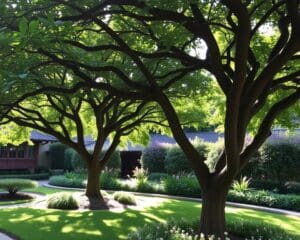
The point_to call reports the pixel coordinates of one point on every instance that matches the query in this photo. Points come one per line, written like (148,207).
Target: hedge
(33,176)
(57,155)
(176,161)
(153,159)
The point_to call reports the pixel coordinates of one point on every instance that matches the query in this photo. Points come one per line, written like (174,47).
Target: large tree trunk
(212,221)
(93,185)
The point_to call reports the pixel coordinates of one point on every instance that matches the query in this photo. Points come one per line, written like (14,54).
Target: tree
(251,51)
(57,104)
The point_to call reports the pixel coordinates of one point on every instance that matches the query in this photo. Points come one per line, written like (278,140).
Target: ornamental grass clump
(62,200)
(14,185)
(124,198)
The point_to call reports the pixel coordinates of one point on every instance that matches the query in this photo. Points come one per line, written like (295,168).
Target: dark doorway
(129,161)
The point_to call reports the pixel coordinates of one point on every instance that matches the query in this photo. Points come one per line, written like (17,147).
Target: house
(25,156)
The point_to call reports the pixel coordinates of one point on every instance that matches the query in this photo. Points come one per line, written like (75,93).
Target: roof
(38,136)
(159,140)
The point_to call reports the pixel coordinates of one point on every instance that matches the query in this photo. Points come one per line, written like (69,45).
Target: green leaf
(23,25)
(33,26)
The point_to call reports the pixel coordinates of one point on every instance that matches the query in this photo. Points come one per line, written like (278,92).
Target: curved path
(233,204)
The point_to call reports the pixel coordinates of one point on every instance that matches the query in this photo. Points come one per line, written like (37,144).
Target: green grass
(33,224)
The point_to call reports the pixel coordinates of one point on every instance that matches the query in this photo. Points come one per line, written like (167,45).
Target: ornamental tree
(162,50)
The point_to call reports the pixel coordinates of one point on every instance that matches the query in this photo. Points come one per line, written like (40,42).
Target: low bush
(109,180)
(157,176)
(187,230)
(185,185)
(264,198)
(153,159)
(124,198)
(62,200)
(32,176)
(63,181)
(176,161)
(14,185)
(276,187)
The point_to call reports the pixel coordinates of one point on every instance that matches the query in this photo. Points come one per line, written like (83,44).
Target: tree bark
(212,221)
(93,185)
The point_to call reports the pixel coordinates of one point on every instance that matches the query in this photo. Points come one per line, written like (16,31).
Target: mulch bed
(5,197)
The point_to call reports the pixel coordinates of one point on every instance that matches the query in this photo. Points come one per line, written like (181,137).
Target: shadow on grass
(34,224)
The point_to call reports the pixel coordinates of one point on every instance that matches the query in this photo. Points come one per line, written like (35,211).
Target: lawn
(35,224)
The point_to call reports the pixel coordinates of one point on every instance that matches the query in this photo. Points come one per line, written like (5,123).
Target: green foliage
(68,155)
(176,161)
(157,176)
(124,198)
(62,200)
(268,199)
(214,150)
(78,163)
(32,176)
(187,230)
(15,185)
(242,185)
(108,180)
(76,182)
(280,161)
(153,159)
(57,155)
(277,187)
(184,185)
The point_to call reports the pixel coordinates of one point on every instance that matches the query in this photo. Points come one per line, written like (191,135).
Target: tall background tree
(161,50)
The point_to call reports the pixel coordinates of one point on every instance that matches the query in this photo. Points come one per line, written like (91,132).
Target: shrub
(176,161)
(78,163)
(33,176)
(242,185)
(264,198)
(114,162)
(153,159)
(280,161)
(63,181)
(62,200)
(157,176)
(185,185)
(109,180)
(187,230)
(14,185)
(68,155)
(124,198)
(57,155)
(292,187)
(214,150)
